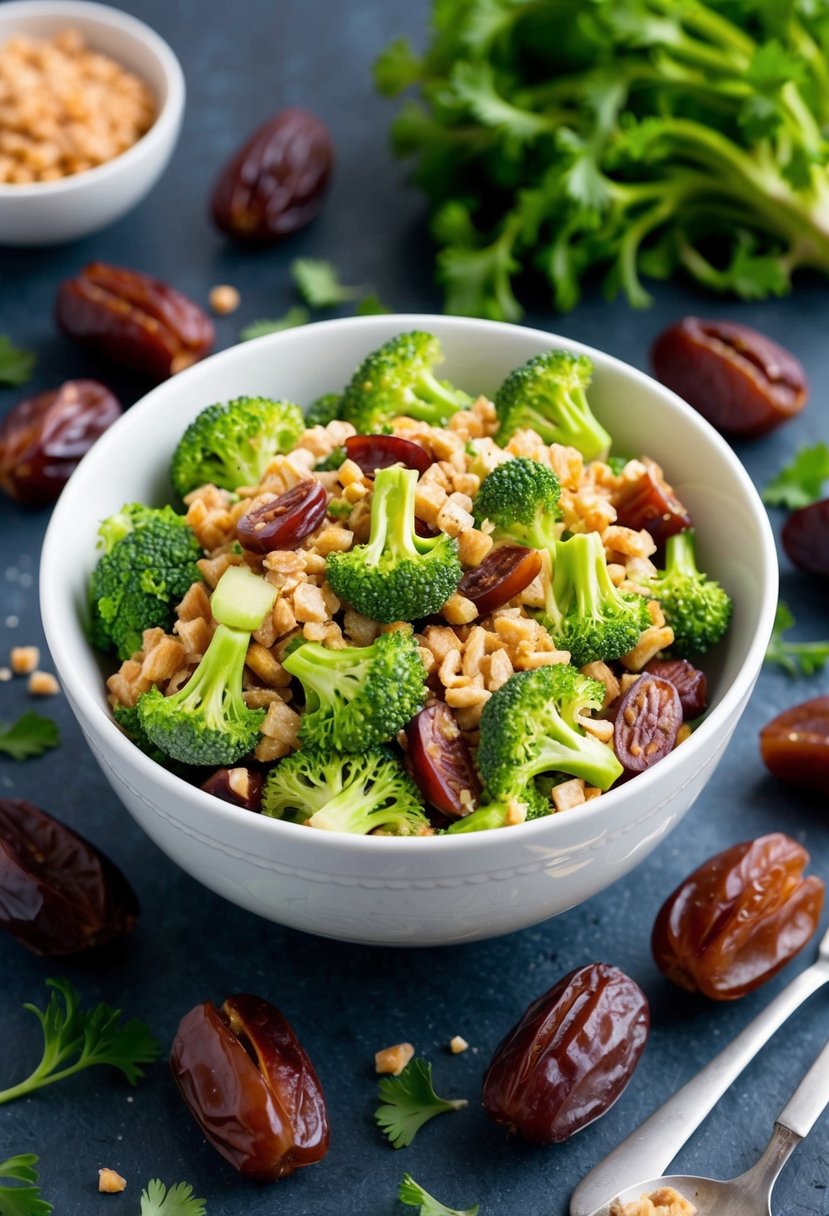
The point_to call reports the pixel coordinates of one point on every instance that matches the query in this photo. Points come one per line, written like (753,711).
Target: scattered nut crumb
(5,674)
(43,684)
(24,659)
(110,1182)
(457,1044)
(224,299)
(393,1059)
(664,1202)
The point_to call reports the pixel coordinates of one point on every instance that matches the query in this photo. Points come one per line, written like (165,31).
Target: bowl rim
(536,832)
(166,120)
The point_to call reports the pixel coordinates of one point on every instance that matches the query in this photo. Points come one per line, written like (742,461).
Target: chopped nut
(568,794)
(111,1183)
(392,1060)
(651,641)
(663,1202)
(24,659)
(224,299)
(457,1044)
(43,684)
(458,610)
(5,674)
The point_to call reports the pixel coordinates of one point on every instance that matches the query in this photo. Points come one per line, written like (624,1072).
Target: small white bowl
(429,890)
(46,213)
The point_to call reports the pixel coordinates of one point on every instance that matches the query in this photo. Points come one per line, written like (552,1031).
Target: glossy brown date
(133,319)
(440,762)
(806,537)
(240,786)
(373,452)
(284,521)
(43,438)
(740,917)
(276,182)
(58,893)
(795,745)
(504,573)
(251,1087)
(651,503)
(689,682)
(740,380)
(570,1056)
(647,720)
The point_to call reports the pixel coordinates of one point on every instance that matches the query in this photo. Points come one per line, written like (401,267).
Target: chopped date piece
(689,682)
(806,537)
(240,786)
(373,452)
(740,380)
(251,1087)
(440,762)
(646,723)
(133,319)
(651,503)
(570,1055)
(795,745)
(58,893)
(504,573)
(738,918)
(284,522)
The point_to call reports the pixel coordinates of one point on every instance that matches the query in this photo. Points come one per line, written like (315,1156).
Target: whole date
(570,1056)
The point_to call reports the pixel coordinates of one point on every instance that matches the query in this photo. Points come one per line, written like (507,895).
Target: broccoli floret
(147,565)
(231,445)
(520,497)
(591,618)
(398,575)
(529,726)
(207,721)
(548,395)
(369,792)
(696,607)
(127,718)
(324,410)
(360,696)
(398,379)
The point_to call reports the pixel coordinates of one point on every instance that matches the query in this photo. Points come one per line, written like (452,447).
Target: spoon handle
(809,1099)
(649,1150)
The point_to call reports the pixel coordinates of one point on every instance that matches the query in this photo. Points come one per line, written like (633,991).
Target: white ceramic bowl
(438,889)
(45,213)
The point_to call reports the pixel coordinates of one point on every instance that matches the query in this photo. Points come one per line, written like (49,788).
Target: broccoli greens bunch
(147,565)
(548,394)
(398,575)
(696,607)
(634,136)
(399,378)
(231,445)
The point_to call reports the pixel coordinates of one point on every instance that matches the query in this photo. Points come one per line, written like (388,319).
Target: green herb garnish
(178,1200)
(16,365)
(30,735)
(413,1195)
(21,1200)
(409,1101)
(797,658)
(291,320)
(801,481)
(319,285)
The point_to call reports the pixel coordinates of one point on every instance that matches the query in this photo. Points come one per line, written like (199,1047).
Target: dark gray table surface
(346,1001)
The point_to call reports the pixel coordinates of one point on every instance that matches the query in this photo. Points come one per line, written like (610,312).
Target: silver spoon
(655,1143)
(750,1194)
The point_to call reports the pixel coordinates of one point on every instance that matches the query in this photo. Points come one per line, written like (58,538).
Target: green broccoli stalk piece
(530,726)
(207,721)
(360,696)
(147,565)
(398,575)
(231,445)
(399,379)
(524,804)
(520,497)
(592,618)
(548,395)
(324,410)
(368,792)
(696,607)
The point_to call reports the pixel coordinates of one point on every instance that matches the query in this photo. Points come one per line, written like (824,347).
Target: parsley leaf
(318,284)
(30,735)
(396,68)
(800,482)
(409,1101)
(16,365)
(797,658)
(413,1195)
(371,306)
(178,1200)
(21,1200)
(74,1039)
(293,317)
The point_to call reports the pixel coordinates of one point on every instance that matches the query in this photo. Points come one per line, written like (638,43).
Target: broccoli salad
(410,611)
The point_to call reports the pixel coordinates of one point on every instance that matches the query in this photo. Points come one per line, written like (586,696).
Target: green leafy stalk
(414,1196)
(796,658)
(30,735)
(23,1200)
(178,1200)
(801,481)
(75,1039)
(408,1101)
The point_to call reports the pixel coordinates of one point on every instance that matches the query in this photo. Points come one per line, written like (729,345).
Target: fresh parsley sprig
(74,1039)
(30,735)
(293,317)
(801,481)
(409,1101)
(16,365)
(319,284)
(21,1200)
(797,658)
(413,1195)
(178,1200)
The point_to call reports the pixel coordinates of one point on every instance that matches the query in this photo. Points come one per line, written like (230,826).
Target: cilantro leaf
(30,735)
(16,365)
(293,317)
(396,68)
(318,284)
(413,1195)
(21,1200)
(178,1200)
(74,1039)
(796,658)
(473,84)
(409,1101)
(801,481)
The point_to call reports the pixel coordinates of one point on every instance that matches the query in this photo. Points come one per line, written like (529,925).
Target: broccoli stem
(219,673)
(492,815)
(680,556)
